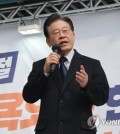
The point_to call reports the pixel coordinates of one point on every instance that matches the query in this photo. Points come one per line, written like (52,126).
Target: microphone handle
(53,67)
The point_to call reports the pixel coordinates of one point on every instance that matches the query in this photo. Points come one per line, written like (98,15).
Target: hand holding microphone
(52,60)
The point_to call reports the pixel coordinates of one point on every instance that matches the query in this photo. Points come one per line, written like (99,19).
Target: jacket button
(61,101)
(91,95)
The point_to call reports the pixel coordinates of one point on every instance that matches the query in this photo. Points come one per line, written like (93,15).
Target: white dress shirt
(69,57)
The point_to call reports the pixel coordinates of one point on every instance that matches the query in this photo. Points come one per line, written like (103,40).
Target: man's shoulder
(90,58)
(87,58)
(38,62)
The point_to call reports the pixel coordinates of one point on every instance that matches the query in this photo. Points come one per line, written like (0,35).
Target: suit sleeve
(33,89)
(97,90)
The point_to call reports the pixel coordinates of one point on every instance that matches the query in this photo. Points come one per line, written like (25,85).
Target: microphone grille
(56,47)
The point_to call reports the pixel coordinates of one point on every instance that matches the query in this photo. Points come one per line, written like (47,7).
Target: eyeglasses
(57,32)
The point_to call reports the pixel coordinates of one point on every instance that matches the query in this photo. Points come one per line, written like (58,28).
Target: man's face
(60,33)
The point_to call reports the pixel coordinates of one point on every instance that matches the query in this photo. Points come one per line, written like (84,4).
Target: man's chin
(65,48)
(65,51)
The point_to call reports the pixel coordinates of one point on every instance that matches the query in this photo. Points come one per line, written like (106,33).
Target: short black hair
(54,17)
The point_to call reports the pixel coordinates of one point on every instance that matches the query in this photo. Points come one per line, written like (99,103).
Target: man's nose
(62,35)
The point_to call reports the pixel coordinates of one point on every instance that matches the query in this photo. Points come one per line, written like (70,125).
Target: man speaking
(67,83)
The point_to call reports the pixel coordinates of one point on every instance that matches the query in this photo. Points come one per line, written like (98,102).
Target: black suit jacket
(65,107)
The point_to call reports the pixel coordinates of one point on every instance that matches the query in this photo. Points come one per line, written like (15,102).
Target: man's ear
(48,42)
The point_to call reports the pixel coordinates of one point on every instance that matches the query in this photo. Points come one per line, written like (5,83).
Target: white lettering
(5,63)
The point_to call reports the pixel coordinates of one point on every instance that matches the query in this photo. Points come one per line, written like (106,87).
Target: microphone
(56,49)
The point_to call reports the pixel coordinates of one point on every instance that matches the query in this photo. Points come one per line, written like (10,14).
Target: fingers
(82,70)
(82,67)
(82,77)
(81,74)
(53,58)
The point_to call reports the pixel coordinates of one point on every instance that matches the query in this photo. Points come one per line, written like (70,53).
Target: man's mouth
(63,42)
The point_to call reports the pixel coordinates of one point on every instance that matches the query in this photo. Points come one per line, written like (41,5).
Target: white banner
(97,36)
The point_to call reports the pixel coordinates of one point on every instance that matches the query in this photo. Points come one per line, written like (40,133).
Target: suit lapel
(56,76)
(74,66)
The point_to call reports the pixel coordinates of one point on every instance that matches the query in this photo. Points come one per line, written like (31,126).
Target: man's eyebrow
(55,29)
(59,29)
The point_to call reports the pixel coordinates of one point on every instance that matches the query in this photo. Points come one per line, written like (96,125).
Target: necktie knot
(63,59)
(63,68)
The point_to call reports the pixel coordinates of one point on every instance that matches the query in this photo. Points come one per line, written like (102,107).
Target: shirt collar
(70,55)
